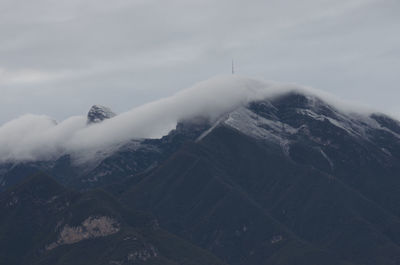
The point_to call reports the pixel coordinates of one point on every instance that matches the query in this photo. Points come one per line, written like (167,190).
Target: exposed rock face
(98,113)
(92,227)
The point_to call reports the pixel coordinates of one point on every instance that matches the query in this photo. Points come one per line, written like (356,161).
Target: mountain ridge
(289,179)
(211,99)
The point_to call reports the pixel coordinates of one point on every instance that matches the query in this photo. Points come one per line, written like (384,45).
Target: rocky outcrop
(98,113)
(92,227)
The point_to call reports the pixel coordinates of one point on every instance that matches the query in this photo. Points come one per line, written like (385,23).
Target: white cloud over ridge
(38,137)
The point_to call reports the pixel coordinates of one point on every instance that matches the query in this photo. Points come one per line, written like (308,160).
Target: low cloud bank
(37,137)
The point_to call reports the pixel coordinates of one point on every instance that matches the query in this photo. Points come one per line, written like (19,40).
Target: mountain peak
(98,113)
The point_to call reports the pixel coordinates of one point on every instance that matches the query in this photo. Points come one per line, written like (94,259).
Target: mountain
(98,113)
(289,178)
(294,168)
(41,222)
(127,160)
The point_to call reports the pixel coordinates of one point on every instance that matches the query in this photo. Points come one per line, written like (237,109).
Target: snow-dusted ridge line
(37,137)
(258,127)
(274,130)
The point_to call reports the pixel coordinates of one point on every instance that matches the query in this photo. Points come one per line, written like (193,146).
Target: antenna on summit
(233,67)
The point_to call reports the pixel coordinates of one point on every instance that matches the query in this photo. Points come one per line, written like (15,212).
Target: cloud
(26,76)
(125,53)
(37,137)
(61,57)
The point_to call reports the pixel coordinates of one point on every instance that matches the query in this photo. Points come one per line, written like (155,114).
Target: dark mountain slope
(14,173)
(314,205)
(133,158)
(363,153)
(316,175)
(194,197)
(288,180)
(43,223)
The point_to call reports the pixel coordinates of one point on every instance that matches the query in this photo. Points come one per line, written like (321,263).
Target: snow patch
(253,125)
(326,157)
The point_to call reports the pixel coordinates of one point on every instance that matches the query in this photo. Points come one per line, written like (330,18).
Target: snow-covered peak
(98,113)
(293,115)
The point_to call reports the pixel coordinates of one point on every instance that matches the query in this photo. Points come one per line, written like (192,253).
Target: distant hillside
(43,223)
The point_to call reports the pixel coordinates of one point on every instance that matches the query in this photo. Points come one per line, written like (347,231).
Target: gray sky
(59,57)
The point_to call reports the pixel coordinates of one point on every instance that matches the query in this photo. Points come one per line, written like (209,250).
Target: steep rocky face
(91,227)
(98,113)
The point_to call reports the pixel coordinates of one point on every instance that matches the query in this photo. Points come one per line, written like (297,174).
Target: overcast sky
(59,57)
